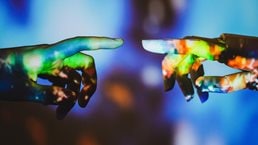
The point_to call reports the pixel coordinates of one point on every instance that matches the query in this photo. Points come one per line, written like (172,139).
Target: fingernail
(118,42)
(110,43)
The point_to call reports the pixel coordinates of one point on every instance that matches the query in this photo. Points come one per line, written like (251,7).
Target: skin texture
(20,68)
(185,56)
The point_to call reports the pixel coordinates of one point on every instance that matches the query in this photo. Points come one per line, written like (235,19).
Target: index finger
(175,46)
(198,47)
(74,45)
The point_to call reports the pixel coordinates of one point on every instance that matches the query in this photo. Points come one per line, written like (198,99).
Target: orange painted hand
(185,56)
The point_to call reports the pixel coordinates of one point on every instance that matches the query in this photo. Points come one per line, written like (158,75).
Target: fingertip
(167,87)
(188,98)
(169,83)
(119,41)
(83,101)
(186,87)
(85,96)
(108,43)
(203,96)
(156,46)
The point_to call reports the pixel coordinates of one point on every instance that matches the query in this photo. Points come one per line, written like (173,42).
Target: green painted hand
(59,63)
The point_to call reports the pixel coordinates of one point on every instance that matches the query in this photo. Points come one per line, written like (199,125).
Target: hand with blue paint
(59,63)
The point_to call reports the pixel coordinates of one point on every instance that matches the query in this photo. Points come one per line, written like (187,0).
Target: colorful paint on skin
(21,66)
(185,56)
(225,84)
(249,64)
(170,63)
(197,47)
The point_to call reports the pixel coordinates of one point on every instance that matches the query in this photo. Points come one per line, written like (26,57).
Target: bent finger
(84,63)
(225,84)
(66,78)
(198,47)
(49,95)
(169,64)
(196,72)
(186,86)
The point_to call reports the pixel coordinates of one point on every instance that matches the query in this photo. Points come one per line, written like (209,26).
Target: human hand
(184,57)
(21,66)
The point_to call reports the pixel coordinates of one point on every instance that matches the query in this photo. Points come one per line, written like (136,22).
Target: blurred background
(130,106)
